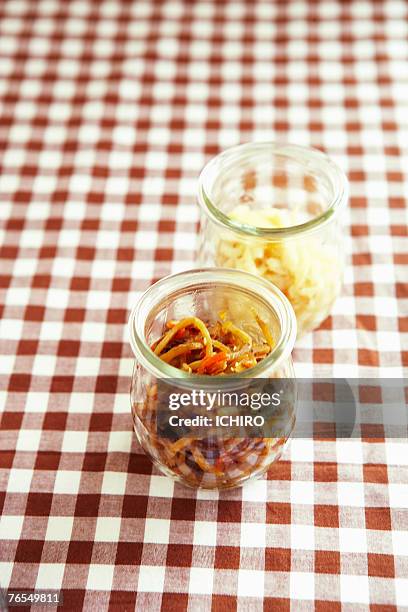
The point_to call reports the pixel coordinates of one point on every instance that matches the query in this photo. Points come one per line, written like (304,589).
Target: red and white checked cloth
(109,109)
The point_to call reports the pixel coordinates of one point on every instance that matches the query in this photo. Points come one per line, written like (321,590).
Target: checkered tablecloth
(109,109)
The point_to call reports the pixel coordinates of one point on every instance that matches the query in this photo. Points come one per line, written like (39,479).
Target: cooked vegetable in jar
(273,210)
(235,328)
(219,349)
(307,271)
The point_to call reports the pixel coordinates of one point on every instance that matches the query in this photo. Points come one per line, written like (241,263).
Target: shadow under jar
(208,460)
(275,211)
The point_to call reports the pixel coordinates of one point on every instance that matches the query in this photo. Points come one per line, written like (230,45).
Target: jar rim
(305,155)
(211,276)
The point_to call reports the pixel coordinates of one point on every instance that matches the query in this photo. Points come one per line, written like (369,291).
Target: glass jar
(275,211)
(205,293)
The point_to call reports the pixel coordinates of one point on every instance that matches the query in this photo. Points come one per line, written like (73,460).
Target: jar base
(257,475)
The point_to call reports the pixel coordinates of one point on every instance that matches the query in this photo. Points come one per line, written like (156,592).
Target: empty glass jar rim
(309,157)
(168,285)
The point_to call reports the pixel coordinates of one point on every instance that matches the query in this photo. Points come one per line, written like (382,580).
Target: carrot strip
(210,361)
(180,349)
(188,322)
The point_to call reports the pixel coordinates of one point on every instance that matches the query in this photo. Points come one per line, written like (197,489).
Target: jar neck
(214,277)
(247,153)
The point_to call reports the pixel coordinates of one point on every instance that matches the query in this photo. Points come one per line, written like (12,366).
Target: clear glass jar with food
(275,211)
(224,326)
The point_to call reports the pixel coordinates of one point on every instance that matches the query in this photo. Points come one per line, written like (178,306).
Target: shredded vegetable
(221,348)
(306,270)
(210,349)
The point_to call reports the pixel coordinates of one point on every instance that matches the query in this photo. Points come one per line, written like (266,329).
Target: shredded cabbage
(307,270)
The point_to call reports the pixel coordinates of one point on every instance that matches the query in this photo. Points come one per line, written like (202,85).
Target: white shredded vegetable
(307,270)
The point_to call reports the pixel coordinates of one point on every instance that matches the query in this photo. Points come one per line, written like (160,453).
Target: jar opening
(204,293)
(238,187)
